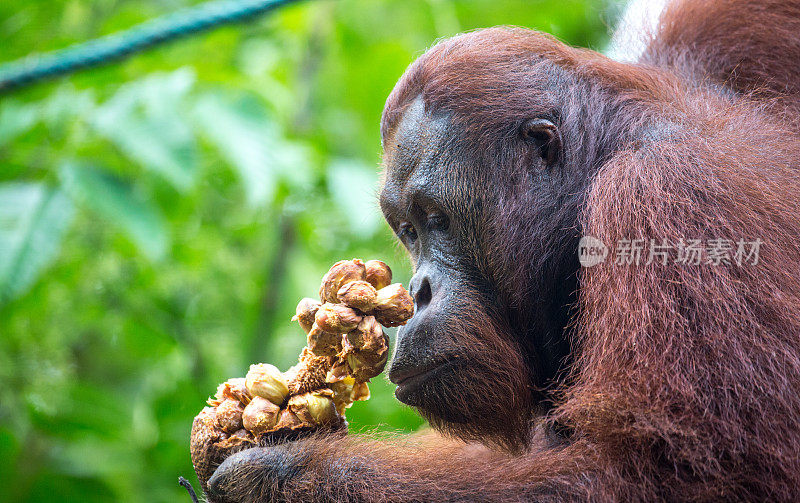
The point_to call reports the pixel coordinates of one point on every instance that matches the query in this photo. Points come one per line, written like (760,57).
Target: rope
(120,45)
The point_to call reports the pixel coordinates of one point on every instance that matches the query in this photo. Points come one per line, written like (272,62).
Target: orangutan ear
(543,135)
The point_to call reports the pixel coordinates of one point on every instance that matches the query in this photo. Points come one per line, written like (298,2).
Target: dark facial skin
(459,218)
(418,208)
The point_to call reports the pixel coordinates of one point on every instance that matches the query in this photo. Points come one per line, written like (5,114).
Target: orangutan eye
(438,222)
(407,232)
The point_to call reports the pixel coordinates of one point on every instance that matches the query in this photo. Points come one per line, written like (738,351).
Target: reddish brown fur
(751,47)
(495,376)
(684,384)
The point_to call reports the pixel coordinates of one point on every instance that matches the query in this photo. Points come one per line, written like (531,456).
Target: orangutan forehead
(418,159)
(469,70)
(415,143)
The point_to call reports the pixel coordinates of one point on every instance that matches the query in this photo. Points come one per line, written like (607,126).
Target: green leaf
(15,119)
(33,218)
(251,142)
(147,121)
(65,106)
(118,202)
(353,186)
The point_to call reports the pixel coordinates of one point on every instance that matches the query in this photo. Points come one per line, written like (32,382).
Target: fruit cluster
(346,347)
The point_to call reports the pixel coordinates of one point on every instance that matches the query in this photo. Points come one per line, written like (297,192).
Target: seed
(341,273)
(288,420)
(364,365)
(267,381)
(347,391)
(368,335)
(336,318)
(378,274)
(394,306)
(234,389)
(323,343)
(229,415)
(315,408)
(305,311)
(260,415)
(358,295)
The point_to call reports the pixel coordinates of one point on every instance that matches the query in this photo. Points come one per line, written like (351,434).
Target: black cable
(123,44)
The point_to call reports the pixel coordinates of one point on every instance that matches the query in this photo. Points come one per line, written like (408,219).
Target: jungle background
(161,217)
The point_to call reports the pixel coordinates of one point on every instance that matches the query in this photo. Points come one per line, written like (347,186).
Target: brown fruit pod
(378,274)
(209,445)
(394,306)
(336,318)
(323,343)
(359,295)
(341,273)
(229,415)
(346,346)
(260,416)
(305,312)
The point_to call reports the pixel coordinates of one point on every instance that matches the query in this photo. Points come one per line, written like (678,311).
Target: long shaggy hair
(682,381)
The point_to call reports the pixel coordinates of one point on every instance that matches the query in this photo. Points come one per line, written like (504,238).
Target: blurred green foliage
(160,218)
